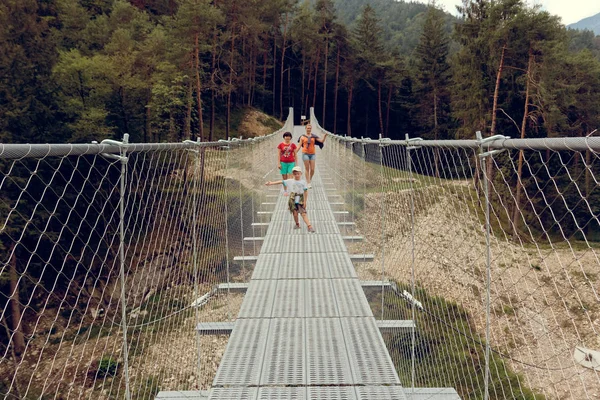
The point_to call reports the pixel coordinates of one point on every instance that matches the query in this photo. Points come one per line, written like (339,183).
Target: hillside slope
(401,21)
(591,23)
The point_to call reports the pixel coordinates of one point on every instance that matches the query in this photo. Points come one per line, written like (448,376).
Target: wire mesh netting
(109,262)
(422,211)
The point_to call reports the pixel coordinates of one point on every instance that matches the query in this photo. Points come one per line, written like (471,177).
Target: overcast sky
(569,10)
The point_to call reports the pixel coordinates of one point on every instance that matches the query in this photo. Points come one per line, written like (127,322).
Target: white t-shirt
(295,186)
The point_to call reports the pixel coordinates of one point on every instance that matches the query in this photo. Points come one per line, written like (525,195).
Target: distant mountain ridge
(401,21)
(591,23)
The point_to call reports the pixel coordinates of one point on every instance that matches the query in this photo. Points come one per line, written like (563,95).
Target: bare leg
(307,170)
(304,217)
(295,214)
(312,168)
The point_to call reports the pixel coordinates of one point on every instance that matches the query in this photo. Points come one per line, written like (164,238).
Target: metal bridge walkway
(305,329)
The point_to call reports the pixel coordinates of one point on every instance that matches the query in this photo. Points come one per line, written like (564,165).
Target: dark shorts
(299,208)
(296,207)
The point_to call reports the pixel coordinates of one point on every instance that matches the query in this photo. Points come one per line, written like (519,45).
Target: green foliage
(107,366)
(436,363)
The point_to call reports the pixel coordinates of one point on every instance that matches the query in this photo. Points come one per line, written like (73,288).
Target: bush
(107,367)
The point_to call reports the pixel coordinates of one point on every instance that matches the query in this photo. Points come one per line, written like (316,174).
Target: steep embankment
(537,289)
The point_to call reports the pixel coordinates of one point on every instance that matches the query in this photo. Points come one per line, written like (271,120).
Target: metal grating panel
(258,301)
(328,362)
(320,301)
(289,299)
(244,354)
(308,243)
(182,395)
(284,361)
(267,266)
(282,393)
(380,393)
(233,394)
(350,298)
(331,393)
(431,394)
(340,265)
(292,266)
(324,243)
(316,266)
(369,358)
(286,227)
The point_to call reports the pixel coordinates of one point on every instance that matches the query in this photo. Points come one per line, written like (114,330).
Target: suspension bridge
(439,270)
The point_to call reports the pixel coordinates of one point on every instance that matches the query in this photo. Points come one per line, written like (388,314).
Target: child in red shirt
(286,157)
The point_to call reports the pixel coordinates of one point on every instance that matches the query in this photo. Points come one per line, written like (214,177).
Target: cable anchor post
(122,157)
(484,155)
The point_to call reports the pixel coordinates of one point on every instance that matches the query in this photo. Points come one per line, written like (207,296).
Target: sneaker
(297,226)
(309,186)
(311,229)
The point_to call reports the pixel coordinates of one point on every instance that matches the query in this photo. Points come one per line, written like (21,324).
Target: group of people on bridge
(293,185)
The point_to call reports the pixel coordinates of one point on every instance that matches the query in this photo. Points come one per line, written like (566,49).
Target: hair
(287,134)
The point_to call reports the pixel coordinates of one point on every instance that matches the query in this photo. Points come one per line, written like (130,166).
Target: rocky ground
(544,298)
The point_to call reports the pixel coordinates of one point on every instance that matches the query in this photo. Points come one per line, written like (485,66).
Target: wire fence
(112,253)
(491,246)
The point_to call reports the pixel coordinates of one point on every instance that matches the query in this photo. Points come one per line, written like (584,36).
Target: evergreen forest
(168,70)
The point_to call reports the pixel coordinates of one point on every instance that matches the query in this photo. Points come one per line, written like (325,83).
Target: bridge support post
(122,157)
(483,157)
(412,272)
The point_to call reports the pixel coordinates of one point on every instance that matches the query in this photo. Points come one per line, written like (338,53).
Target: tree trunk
(188,112)
(436,132)
(325,81)
(123,111)
(302,111)
(496,92)
(265,57)
(337,87)
(274,72)
(18,339)
(349,127)
(379,107)
(213,86)
(387,115)
(316,75)
(515,216)
(198,89)
(147,120)
(489,162)
(283,46)
(310,71)
(230,85)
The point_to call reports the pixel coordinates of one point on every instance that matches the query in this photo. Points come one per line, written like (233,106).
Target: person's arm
(322,140)
(271,183)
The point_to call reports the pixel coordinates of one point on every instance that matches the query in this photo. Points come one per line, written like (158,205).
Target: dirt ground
(544,298)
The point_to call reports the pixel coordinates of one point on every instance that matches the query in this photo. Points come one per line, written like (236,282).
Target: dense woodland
(172,69)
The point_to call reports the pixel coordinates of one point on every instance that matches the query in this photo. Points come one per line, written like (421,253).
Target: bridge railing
(492,247)
(111,254)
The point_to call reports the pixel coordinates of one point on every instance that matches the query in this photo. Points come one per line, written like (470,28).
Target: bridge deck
(305,329)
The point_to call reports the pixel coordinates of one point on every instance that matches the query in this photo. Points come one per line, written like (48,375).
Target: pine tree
(433,76)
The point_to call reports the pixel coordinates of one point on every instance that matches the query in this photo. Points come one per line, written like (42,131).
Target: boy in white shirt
(298,190)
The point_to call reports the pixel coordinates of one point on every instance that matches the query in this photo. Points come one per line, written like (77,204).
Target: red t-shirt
(286,152)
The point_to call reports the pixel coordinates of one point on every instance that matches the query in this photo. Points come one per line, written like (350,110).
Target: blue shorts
(286,167)
(309,157)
